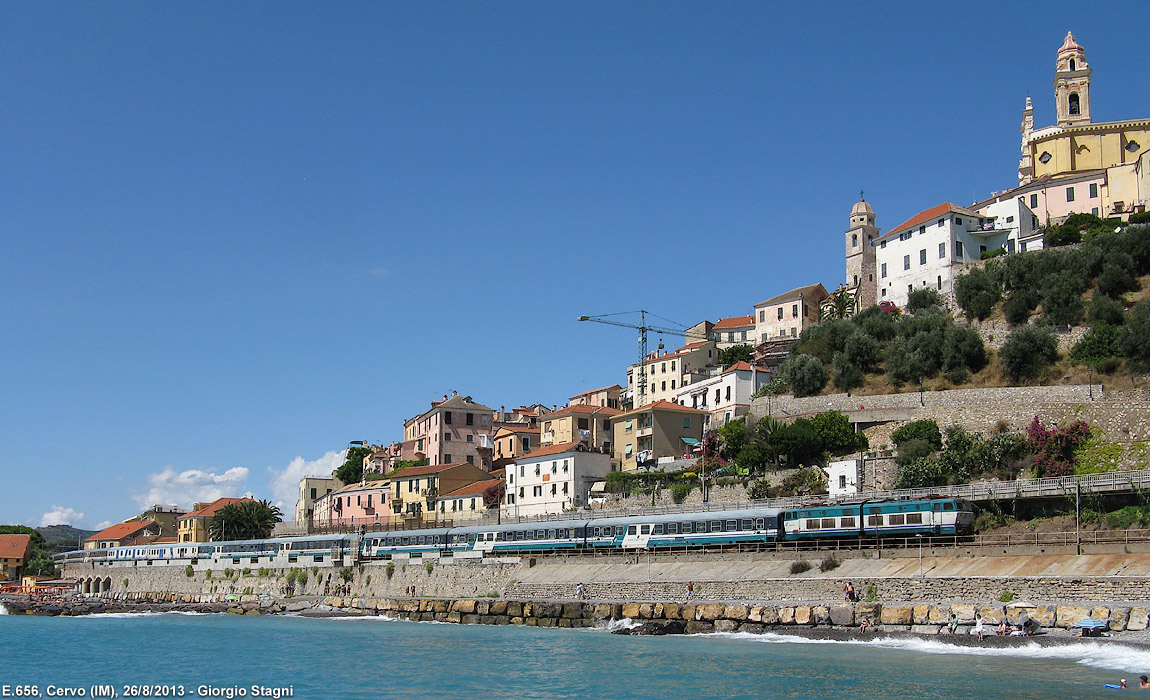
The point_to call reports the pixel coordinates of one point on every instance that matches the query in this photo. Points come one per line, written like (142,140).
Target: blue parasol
(1090,623)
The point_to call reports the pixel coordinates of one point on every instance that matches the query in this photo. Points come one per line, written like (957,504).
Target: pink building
(455,430)
(356,504)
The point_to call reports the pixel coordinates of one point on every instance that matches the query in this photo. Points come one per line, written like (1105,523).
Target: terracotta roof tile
(210,509)
(14,546)
(663,405)
(582,408)
(409,472)
(734,322)
(551,450)
(602,388)
(475,489)
(924,216)
(121,530)
(793,294)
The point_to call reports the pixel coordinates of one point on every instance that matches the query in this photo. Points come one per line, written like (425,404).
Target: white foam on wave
(1112,655)
(3,610)
(142,613)
(625,623)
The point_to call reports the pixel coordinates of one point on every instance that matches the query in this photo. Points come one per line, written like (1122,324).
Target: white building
(844,478)
(725,396)
(553,479)
(921,252)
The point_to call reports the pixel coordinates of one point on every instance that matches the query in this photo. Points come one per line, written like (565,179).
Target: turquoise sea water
(379,658)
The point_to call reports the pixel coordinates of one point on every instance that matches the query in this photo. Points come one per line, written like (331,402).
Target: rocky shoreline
(839,622)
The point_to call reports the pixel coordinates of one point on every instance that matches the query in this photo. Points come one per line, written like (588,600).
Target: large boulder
(1067,615)
(897,615)
(1137,620)
(842,615)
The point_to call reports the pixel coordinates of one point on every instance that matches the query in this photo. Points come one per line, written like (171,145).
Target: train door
(637,536)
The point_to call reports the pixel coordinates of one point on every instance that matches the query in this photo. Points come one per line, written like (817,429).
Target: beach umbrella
(1090,623)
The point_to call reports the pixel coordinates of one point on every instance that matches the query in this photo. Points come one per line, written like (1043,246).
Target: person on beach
(848,592)
(690,590)
(1002,631)
(864,626)
(1143,682)
(978,627)
(580,593)
(953,624)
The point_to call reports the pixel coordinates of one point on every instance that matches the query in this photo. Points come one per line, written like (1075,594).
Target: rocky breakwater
(151,603)
(703,617)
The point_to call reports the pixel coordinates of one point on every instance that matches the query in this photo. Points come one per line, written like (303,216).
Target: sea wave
(1107,655)
(142,613)
(3,610)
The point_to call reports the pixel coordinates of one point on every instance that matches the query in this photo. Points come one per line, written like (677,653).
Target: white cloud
(170,487)
(60,515)
(285,482)
(102,525)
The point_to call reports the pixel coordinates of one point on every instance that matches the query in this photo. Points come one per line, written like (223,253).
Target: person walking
(690,590)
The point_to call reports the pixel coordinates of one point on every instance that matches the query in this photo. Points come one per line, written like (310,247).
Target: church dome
(1070,44)
(862,207)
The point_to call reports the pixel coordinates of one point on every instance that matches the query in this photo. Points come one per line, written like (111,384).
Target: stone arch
(1073,104)
(107,588)
(86,586)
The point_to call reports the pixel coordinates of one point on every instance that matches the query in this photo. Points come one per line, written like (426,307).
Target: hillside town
(459,459)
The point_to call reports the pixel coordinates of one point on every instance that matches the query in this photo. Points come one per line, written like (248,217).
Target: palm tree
(245,520)
(840,304)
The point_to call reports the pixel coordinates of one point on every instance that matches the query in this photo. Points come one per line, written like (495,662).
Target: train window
(580,532)
(746,525)
(471,537)
(658,530)
(914,518)
(419,539)
(948,506)
(499,537)
(520,535)
(646,530)
(897,519)
(686,528)
(732,525)
(846,522)
(618,530)
(550,534)
(938,506)
(318,558)
(716,526)
(874,520)
(672,528)
(760,523)
(631,530)
(405,540)
(828,523)
(814,523)
(874,510)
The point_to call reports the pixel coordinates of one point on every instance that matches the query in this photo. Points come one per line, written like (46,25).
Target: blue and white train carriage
(729,527)
(940,516)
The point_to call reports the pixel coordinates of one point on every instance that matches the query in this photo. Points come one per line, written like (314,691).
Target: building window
(922,257)
(941,251)
(1033,201)
(447,417)
(884,270)
(957,221)
(780,313)
(958,249)
(1093,190)
(941,222)
(1069,194)
(471,438)
(584,423)
(762,315)
(447,437)
(687,422)
(940,281)
(672,383)
(1073,105)
(447,459)
(906,262)
(471,459)
(842,481)
(921,230)
(854,240)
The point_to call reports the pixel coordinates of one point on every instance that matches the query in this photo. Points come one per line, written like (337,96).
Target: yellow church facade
(1077,144)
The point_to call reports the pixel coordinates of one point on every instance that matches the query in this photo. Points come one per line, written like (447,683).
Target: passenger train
(941,516)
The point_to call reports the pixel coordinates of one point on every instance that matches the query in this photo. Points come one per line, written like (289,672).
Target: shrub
(919,430)
(962,348)
(680,491)
(871,594)
(189,571)
(829,564)
(913,451)
(804,482)
(367,581)
(429,567)
(1062,235)
(1054,447)
(846,375)
(1103,309)
(389,570)
(1062,299)
(804,374)
(1006,597)
(1019,305)
(1136,338)
(228,573)
(759,490)
(977,292)
(920,474)
(798,566)
(876,323)
(346,574)
(1101,343)
(1027,352)
(988,254)
(1142,217)
(863,351)
(1117,276)
(922,299)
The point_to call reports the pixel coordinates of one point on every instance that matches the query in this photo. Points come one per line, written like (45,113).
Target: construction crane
(641,379)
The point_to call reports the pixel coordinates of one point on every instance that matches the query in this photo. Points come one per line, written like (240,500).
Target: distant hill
(64,533)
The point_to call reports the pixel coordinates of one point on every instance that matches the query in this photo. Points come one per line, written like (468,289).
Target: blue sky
(238,235)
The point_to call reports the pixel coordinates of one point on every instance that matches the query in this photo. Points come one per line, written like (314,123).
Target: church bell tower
(860,254)
(1072,84)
